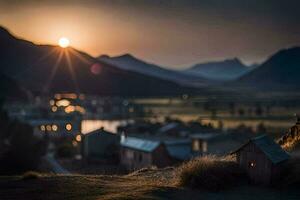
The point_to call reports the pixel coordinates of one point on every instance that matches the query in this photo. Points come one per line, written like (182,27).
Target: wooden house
(100,145)
(137,153)
(262,159)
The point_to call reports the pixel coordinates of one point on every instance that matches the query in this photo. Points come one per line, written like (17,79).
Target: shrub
(30,175)
(210,173)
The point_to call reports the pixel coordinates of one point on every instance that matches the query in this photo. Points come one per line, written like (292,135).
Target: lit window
(43,128)
(54,127)
(63,103)
(54,108)
(52,102)
(252,164)
(204,147)
(69,127)
(196,145)
(48,127)
(78,138)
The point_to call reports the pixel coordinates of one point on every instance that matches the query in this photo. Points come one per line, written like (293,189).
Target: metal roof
(204,136)
(181,151)
(272,150)
(140,144)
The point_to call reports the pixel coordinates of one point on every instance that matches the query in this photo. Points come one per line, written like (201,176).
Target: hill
(144,184)
(280,72)
(222,70)
(46,68)
(131,63)
(10,89)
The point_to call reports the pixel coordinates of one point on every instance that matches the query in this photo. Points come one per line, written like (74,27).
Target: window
(69,127)
(129,154)
(251,164)
(204,147)
(196,145)
(140,158)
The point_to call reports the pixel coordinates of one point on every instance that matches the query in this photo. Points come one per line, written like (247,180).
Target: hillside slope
(45,68)
(131,63)
(222,70)
(280,72)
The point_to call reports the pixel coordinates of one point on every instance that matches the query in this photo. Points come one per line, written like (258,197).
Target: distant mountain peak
(104,56)
(280,72)
(228,69)
(128,57)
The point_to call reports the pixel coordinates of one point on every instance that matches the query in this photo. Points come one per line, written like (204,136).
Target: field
(143,184)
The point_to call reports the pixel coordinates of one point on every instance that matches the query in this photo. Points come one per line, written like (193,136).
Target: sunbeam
(73,75)
(36,62)
(53,72)
(83,59)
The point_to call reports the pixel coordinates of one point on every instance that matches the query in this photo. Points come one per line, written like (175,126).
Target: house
(174,129)
(179,149)
(100,146)
(262,158)
(137,153)
(213,144)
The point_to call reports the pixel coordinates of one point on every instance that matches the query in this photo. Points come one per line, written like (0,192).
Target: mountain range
(220,71)
(280,72)
(51,69)
(131,63)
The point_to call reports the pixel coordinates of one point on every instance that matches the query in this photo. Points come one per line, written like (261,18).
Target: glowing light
(54,127)
(52,102)
(54,109)
(63,42)
(69,109)
(96,68)
(63,103)
(48,127)
(78,138)
(57,96)
(69,127)
(43,128)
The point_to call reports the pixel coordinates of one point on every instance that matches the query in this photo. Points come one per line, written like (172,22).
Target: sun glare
(63,42)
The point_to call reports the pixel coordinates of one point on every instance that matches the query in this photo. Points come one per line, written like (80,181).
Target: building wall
(135,159)
(161,157)
(257,165)
(100,145)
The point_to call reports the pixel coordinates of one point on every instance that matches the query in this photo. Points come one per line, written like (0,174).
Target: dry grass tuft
(210,172)
(30,175)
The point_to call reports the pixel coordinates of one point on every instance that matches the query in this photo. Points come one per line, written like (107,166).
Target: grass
(144,186)
(207,174)
(210,173)
(30,175)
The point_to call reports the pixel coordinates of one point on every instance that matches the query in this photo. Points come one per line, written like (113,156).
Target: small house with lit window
(262,159)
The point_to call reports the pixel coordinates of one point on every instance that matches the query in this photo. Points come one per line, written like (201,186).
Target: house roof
(180,150)
(272,150)
(204,136)
(140,144)
(100,131)
(168,127)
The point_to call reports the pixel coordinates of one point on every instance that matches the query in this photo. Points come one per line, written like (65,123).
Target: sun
(63,42)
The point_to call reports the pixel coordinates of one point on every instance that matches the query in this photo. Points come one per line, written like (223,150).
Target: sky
(172,33)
